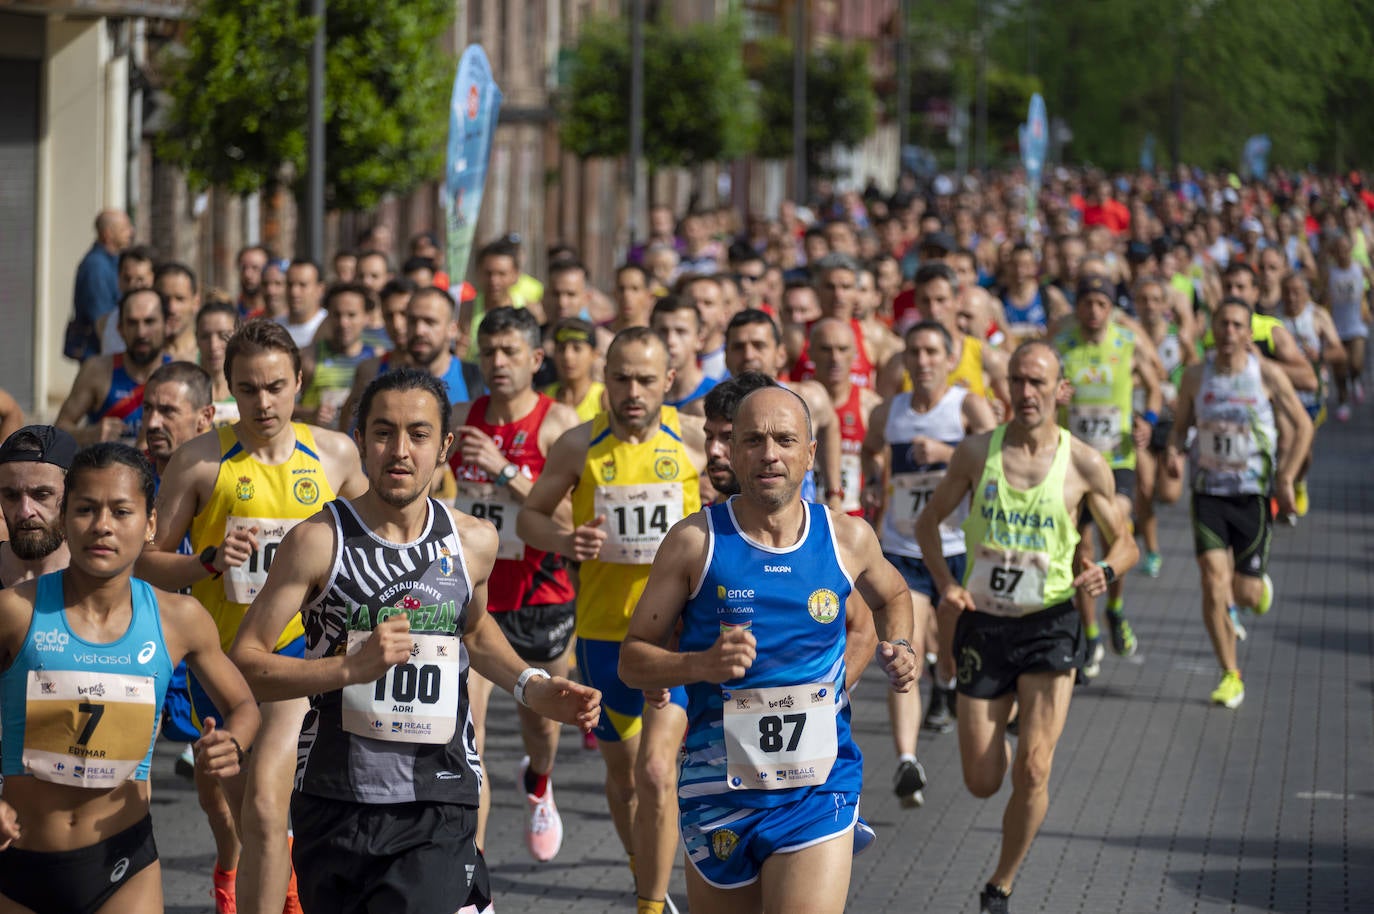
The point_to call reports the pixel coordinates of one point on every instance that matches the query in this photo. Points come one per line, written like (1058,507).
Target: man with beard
(33,466)
(108,390)
(430,333)
(633,473)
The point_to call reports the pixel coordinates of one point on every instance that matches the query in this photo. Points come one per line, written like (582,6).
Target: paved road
(1159,802)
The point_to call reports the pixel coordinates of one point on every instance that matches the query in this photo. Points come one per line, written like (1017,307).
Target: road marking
(1325,795)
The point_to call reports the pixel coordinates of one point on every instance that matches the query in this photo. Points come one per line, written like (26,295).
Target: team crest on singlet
(823,605)
(723,843)
(608,471)
(445,561)
(244,488)
(665,468)
(306,491)
(990,490)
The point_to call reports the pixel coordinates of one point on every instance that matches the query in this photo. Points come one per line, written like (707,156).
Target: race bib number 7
(780,737)
(87,729)
(415,701)
(242,584)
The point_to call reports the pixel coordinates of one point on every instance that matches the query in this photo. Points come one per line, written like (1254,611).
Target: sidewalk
(1160,802)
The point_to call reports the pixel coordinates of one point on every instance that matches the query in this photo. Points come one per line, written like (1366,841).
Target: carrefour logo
(722,593)
(51,641)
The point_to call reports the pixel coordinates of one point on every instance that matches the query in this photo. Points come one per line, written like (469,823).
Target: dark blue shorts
(918,576)
(622,708)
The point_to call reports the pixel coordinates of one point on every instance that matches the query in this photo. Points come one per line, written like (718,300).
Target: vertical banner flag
(1256,155)
(1034,137)
(471,125)
(1147,153)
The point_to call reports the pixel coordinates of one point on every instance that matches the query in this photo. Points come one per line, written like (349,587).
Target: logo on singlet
(445,561)
(244,489)
(50,641)
(608,471)
(306,491)
(665,468)
(990,490)
(146,654)
(823,605)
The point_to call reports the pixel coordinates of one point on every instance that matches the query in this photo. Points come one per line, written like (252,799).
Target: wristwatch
(904,643)
(508,472)
(207,560)
(1108,571)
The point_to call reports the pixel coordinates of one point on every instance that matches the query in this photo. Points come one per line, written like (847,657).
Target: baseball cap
(1099,284)
(39,444)
(939,241)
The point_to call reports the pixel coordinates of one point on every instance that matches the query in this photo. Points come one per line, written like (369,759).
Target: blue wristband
(1151,417)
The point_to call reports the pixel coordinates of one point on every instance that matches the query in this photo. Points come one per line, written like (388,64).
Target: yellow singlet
(643,489)
(251,494)
(590,405)
(968,373)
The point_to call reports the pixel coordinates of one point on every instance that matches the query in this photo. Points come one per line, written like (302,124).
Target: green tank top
(1100,413)
(1020,543)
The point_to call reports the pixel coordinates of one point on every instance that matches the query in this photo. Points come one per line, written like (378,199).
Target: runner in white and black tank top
(372,580)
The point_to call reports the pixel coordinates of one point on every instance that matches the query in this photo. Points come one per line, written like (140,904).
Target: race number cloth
(780,737)
(413,702)
(637,519)
(911,482)
(496,504)
(242,584)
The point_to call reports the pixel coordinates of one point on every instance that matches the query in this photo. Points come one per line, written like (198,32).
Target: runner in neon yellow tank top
(1103,361)
(266,473)
(1018,638)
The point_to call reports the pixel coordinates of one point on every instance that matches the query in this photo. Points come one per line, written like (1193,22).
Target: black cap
(1138,252)
(39,444)
(1100,284)
(940,241)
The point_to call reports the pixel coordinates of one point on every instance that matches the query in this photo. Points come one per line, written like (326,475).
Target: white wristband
(524,680)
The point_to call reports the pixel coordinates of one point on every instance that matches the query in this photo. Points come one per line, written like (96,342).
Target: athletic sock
(224,889)
(645,906)
(1115,604)
(953,682)
(1092,631)
(536,784)
(906,757)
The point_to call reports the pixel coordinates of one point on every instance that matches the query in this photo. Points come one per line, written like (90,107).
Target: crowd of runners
(305,527)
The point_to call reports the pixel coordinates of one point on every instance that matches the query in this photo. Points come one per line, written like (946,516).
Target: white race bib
(910,493)
(637,519)
(414,702)
(243,583)
(780,737)
(87,729)
(1097,425)
(1224,446)
(851,480)
(1007,582)
(496,504)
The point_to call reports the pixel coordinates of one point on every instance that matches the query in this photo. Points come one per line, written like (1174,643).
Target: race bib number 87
(780,737)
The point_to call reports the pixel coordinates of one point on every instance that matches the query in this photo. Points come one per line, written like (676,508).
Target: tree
(841,105)
(697,103)
(239,81)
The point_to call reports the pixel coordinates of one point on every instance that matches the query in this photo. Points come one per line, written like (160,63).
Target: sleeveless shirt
(910,484)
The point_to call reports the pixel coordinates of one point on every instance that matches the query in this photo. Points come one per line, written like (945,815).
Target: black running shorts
(1124,481)
(1240,523)
(397,858)
(78,881)
(993,651)
(539,634)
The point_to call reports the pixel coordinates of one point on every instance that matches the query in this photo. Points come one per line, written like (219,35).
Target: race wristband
(524,680)
(902,642)
(1151,417)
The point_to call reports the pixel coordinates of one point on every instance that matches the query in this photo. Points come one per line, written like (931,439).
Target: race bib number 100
(780,737)
(242,584)
(87,729)
(415,701)
(637,520)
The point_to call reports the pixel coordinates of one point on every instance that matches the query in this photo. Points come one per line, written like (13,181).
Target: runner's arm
(1333,353)
(491,655)
(995,363)
(348,412)
(978,415)
(1294,421)
(888,600)
(1290,358)
(196,634)
(540,523)
(959,479)
(300,571)
(82,399)
(161,564)
(873,461)
(860,639)
(344,466)
(1100,494)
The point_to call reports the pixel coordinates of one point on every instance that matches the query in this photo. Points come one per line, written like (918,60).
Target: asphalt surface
(1159,801)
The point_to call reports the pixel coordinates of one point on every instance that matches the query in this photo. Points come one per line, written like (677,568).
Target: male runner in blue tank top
(393,588)
(770,786)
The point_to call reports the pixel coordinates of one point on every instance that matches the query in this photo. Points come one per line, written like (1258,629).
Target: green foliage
(239,90)
(841,106)
(697,103)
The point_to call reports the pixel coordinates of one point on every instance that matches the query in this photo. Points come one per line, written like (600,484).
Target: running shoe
(939,716)
(1152,564)
(1123,637)
(1231,692)
(907,784)
(992,900)
(1300,500)
(864,836)
(226,902)
(1266,601)
(1343,413)
(1358,388)
(1096,652)
(1236,625)
(472,909)
(186,762)
(544,827)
